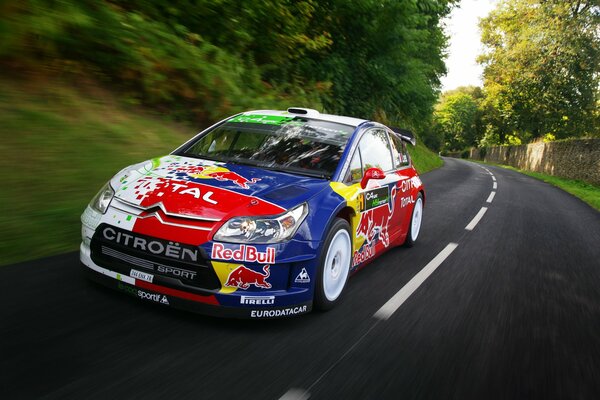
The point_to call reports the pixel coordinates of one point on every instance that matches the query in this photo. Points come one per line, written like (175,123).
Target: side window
(396,150)
(355,172)
(375,150)
(402,159)
(404,154)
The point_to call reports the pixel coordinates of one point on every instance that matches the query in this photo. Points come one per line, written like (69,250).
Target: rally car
(262,215)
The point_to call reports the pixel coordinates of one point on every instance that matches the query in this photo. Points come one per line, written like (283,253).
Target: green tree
(457,119)
(385,60)
(206,59)
(541,69)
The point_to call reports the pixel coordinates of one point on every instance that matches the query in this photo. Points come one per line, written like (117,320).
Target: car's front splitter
(256,305)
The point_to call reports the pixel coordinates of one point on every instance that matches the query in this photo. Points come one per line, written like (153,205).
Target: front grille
(172,264)
(138,262)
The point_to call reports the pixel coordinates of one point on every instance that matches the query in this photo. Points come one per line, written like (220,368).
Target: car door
(378,199)
(407,185)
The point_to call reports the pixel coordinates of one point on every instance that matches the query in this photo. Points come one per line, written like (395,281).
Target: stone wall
(573,159)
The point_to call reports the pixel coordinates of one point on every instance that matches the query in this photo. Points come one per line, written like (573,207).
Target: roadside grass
(583,190)
(423,158)
(59,146)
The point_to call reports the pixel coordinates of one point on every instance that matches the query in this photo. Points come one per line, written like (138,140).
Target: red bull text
(244,253)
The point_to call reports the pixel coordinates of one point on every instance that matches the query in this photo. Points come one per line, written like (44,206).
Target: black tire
(410,237)
(325,298)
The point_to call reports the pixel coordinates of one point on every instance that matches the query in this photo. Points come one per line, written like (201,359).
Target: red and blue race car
(263,215)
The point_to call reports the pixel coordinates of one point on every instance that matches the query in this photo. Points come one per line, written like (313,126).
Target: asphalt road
(512,313)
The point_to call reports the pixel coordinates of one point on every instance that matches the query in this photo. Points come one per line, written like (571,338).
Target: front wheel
(415,222)
(334,267)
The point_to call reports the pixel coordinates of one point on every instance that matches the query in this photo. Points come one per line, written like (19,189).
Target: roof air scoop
(309,112)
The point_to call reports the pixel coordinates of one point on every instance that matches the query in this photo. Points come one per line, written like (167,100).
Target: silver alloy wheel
(337,265)
(417,216)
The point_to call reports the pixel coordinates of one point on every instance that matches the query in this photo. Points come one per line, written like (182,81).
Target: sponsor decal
(374,222)
(235,178)
(404,201)
(141,275)
(151,186)
(409,184)
(242,277)
(243,253)
(416,181)
(262,119)
(363,254)
(177,272)
(302,277)
(211,172)
(278,313)
(155,246)
(155,297)
(375,198)
(257,300)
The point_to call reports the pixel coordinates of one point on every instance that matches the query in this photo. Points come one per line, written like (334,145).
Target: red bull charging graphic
(373,226)
(242,277)
(219,173)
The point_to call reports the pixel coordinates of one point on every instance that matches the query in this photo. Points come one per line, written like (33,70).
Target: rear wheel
(415,222)
(334,267)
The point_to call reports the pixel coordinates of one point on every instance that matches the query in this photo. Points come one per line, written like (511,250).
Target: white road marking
(476,219)
(403,294)
(495,185)
(393,304)
(295,394)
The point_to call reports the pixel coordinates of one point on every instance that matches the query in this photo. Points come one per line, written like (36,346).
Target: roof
(313,115)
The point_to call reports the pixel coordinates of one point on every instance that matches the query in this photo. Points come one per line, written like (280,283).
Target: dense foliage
(457,119)
(541,76)
(205,59)
(542,69)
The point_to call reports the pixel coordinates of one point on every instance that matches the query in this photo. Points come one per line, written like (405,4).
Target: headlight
(101,201)
(262,229)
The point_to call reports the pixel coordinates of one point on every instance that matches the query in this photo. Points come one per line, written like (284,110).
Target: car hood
(183,186)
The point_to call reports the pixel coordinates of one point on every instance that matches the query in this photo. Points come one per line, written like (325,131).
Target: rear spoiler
(405,135)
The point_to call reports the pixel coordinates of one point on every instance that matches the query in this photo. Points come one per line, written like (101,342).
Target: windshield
(290,144)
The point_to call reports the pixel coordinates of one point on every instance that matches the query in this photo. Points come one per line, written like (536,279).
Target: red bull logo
(242,277)
(375,222)
(215,172)
(233,177)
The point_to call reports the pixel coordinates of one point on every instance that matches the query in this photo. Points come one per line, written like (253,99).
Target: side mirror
(371,173)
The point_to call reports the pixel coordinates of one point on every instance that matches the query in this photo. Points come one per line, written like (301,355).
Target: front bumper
(221,302)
